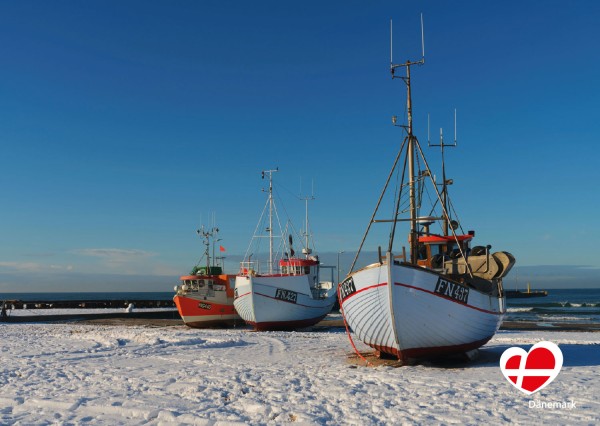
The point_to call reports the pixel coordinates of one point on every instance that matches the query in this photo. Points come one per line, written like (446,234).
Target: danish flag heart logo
(534,370)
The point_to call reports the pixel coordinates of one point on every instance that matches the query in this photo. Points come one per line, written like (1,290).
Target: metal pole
(338,265)
(411,172)
(444,190)
(306,229)
(270,223)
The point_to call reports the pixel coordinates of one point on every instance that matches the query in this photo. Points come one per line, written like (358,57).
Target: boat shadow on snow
(575,355)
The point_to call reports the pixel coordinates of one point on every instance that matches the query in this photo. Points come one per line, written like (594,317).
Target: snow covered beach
(80,373)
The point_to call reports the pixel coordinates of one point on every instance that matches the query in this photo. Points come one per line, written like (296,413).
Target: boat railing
(251,268)
(201,286)
(324,284)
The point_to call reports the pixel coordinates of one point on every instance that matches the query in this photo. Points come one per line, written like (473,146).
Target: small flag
(221,248)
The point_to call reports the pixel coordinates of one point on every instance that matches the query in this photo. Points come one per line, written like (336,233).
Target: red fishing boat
(205,296)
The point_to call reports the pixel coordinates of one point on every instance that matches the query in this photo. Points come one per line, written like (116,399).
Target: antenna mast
(307,250)
(270,173)
(445,182)
(207,234)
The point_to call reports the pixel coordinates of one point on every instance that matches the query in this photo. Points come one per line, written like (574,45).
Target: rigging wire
(258,225)
(447,216)
(377,207)
(289,220)
(397,207)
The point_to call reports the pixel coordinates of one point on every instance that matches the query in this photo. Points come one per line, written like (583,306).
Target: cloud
(23,266)
(33,266)
(120,261)
(39,254)
(114,253)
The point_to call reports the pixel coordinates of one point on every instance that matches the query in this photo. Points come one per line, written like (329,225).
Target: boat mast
(411,141)
(413,239)
(270,172)
(206,235)
(413,236)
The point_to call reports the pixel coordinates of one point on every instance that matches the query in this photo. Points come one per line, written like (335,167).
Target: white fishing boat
(440,296)
(288,292)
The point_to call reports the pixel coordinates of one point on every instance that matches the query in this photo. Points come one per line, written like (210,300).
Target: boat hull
(412,312)
(202,310)
(279,302)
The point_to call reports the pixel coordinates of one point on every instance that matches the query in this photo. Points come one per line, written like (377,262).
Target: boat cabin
(434,249)
(295,266)
(205,285)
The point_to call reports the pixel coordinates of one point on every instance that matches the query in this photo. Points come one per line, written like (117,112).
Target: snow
(78,373)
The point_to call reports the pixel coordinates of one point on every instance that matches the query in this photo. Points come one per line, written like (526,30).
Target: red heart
(530,372)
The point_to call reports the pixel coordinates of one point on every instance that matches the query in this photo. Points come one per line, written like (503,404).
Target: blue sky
(124,124)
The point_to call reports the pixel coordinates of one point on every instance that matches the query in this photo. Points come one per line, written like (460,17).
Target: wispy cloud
(114,253)
(118,260)
(39,254)
(34,266)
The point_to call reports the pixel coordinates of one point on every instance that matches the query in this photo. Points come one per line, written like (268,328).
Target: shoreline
(171,318)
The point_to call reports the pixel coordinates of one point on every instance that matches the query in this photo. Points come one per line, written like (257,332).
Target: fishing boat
(439,297)
(205,296)
(518,294)
(288,292)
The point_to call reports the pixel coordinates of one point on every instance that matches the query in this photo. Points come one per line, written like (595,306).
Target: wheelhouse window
(438,249)
(422,252)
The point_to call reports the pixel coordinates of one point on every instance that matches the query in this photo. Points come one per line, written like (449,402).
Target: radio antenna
(422,38)
(408,63)
(391,44)
(454,126)
(428,135)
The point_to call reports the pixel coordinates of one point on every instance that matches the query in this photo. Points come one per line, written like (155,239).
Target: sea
(581,306)
(574,305)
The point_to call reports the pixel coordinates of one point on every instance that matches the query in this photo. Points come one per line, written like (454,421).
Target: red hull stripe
(451,300)
(284,325)
(363,289)
(245,294)
(281,300)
